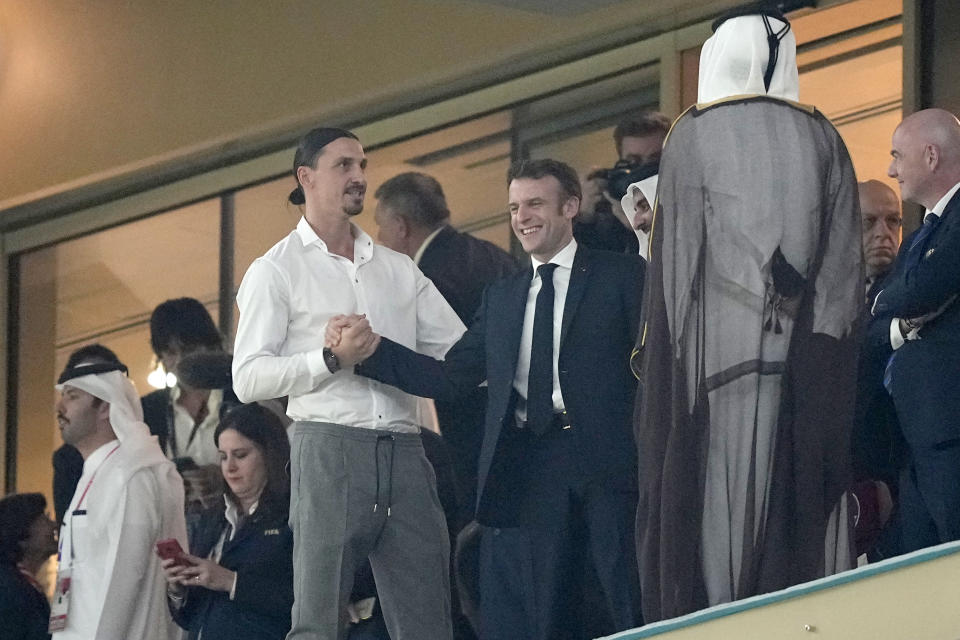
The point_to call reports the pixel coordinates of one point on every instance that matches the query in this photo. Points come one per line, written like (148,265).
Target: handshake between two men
(351,339)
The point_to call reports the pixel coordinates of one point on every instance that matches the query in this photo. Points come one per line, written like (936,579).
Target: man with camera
(601,223)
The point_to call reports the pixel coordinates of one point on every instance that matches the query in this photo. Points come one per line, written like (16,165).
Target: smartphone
(171,548)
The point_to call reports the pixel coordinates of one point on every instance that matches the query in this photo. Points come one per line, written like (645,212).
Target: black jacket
(261,553)
(599,327)
(461,267)
(24,611)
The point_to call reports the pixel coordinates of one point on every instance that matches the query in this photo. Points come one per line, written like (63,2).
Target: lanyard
(77,510)
(94,475)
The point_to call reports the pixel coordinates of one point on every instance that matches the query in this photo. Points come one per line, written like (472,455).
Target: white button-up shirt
(201,448)
(288,296)
(561,282)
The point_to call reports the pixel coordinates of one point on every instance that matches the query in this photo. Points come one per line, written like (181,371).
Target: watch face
(331,360)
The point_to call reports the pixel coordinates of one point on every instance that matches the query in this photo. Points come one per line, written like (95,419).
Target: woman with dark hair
(237,582)
(27,538)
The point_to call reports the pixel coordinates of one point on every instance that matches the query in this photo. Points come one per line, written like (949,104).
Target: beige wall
(93,88)
(913,602)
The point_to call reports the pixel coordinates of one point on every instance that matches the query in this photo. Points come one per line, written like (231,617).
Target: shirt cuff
(317,367)
(896,338)
(233,587)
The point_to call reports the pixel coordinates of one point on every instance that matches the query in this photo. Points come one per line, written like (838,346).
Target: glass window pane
(576,126)
(102,288)
(262,217)
(867,110)
(469,160)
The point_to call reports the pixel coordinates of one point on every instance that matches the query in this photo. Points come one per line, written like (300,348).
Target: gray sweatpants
(359,493)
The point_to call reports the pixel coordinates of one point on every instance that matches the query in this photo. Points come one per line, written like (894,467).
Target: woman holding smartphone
(237,582)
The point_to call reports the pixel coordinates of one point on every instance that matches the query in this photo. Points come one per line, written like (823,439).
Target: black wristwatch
(331,360)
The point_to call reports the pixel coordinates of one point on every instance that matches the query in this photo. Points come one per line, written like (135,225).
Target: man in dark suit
(878,449)
(917,325)
(413,218)
(558,464)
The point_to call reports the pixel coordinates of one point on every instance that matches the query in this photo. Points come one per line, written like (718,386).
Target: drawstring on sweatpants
(376,460)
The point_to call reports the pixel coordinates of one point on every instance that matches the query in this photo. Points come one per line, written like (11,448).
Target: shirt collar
(232,513)
(563,259)
(97,457)
(944,201)
(362,242)
(213,401)
(426,243)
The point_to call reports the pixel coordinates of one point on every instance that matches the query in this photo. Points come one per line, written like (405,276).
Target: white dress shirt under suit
(561,282)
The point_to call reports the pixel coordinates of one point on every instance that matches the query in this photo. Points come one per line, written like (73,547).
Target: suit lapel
(575,291)
(514,308)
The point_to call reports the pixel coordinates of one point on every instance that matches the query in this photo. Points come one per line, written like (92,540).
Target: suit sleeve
(185,608)
(463,368)
(927,286)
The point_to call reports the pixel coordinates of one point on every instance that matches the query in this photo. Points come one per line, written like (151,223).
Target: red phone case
(171,548)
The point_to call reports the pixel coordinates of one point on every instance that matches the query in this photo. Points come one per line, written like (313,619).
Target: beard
(353,199)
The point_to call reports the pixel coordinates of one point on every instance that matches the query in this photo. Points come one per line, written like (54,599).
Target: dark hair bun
(296,196)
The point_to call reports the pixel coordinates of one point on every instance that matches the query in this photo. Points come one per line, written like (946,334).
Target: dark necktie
(918,243)
(919,240)
(540,377)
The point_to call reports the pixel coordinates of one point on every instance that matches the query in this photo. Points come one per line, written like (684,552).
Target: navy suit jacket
(461,266)
(925,372)
(599,327)
(261,553)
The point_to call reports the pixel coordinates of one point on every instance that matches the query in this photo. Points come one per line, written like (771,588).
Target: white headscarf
(647,187)
(126,412)
(733,61)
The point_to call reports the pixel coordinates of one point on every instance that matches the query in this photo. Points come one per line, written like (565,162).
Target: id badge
(60,605)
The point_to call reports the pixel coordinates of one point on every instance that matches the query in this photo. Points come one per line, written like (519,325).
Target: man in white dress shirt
(129,497)
(361,485)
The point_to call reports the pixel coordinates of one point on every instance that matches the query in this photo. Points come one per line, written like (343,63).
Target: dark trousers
(533,577)
(930,497)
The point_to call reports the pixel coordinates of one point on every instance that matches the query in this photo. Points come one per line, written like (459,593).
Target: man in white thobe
(128,498)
